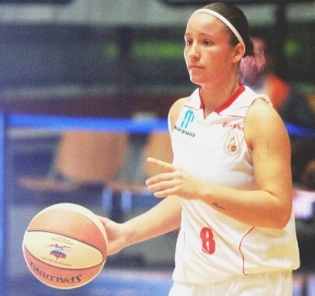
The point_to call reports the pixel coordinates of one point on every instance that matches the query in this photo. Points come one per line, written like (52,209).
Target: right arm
(162,218)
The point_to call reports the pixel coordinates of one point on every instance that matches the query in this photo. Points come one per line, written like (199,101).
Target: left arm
(268,206)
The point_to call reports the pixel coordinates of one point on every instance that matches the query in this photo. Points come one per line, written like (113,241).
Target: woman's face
(208,53)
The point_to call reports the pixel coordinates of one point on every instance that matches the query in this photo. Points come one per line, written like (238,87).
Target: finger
(163,193)
(162,164)
(157,179)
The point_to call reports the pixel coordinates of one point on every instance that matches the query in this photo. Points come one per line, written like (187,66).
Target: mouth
(193,67)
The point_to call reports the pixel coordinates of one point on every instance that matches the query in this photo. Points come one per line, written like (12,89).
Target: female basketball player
(229,187)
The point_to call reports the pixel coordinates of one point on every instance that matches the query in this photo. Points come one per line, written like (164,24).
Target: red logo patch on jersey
(231,145)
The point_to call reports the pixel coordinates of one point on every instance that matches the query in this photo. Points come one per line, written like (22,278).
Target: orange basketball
(65,246)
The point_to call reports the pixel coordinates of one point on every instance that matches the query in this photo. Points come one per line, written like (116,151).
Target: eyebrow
(207,35)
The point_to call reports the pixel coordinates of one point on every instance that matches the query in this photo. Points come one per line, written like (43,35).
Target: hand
(175,181)
(114,231)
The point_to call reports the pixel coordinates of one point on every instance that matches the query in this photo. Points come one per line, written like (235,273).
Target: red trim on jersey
(195,102)
(240,247)
(228,103)
(202,104)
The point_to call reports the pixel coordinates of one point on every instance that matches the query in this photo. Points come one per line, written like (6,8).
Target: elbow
(281,224)
(282,218)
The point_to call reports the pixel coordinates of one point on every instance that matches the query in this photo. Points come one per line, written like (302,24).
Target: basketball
(65,246)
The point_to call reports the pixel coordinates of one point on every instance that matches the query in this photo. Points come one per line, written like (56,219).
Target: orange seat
(158,145)
(83,159)
(88,160)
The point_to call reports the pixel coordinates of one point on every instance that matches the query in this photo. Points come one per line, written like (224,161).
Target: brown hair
(237,18)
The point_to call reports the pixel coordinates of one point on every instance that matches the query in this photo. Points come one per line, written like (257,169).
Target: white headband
(224,20)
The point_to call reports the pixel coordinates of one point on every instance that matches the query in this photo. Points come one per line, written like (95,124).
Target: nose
(192,51)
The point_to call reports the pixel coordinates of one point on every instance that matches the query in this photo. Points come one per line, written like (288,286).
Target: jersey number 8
(208,243)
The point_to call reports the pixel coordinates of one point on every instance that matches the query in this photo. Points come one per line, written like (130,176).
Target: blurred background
(123,59)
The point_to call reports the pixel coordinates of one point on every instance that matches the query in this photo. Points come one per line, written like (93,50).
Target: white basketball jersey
(212,246)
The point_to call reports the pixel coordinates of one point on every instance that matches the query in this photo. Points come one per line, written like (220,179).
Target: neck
(214,96)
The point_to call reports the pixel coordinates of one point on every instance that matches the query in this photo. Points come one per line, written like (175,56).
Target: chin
(196,81)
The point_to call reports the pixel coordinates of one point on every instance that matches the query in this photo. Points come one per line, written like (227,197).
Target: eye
(188,41)
(207,42)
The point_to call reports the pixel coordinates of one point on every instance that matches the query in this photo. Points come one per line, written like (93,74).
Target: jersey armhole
(174,113)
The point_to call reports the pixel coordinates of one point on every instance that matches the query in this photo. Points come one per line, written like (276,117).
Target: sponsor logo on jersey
(236,125)
(188,118)
(231,145)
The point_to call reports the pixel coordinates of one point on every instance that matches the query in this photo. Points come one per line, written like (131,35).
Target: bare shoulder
(263,121)
(261,112)
(175,110)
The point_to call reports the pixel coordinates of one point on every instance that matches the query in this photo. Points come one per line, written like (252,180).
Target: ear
(238,53)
